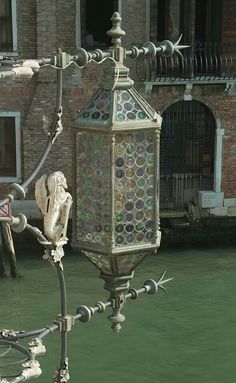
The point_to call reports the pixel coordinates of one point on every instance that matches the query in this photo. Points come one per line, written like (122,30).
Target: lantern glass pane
(102,262)
(128,108)
(135,198)
(98,108)
(116,264)
(127,263)
(93,188)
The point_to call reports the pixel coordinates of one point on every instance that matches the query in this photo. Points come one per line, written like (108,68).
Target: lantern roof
(115,108)
(117,105)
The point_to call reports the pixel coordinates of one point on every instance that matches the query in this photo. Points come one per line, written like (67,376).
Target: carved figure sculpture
(54,202)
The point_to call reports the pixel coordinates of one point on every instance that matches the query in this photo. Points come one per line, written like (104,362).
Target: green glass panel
(119,217)
(102,262)
(98,109)
(93,181)
(119,239)
(134,188)
(115,264)
(128,108)
(127,263)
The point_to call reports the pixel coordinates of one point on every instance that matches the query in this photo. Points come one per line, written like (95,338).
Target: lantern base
(116,285)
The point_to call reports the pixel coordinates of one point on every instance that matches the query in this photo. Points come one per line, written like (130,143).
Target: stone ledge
(232,211)
(230,202)
(219,211)
(210,199)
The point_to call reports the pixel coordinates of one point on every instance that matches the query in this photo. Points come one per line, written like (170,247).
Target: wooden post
(9,245)
(2,265)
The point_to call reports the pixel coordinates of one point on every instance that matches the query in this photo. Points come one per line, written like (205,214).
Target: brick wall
(26,28)
(46,27)
(229,26)
(66,21)
(53,23)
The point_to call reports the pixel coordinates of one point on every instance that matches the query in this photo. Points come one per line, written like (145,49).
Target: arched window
(186,153)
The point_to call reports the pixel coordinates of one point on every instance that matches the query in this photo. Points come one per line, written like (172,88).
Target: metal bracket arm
(150,287)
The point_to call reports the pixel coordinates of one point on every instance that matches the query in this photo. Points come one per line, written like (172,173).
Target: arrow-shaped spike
(162,276)
(161,282)
(179,39)
(178,47)
(160,286)
(151,286)
(163,288)
(165,281)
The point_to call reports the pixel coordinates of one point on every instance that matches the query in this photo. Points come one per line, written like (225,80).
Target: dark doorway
(186,153)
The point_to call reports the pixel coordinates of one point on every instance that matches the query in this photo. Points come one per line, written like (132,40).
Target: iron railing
(203,61)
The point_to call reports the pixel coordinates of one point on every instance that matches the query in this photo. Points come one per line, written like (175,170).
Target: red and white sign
(5,212)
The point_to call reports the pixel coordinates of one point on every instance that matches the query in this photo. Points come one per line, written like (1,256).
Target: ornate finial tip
(116,31)
(116,16)
(116,327)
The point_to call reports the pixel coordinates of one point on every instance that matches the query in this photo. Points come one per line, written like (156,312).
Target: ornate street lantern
(117,178)
(116,199)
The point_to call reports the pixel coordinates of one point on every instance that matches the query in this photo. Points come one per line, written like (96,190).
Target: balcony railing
(204,61)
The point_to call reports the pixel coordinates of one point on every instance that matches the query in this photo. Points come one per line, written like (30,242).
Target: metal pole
(52,136)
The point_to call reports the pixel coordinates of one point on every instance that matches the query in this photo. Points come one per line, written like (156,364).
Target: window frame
(78,22)
(16,115)
(14,51)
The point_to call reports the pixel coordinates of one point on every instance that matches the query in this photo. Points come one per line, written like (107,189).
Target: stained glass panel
(102,262)
(98,108)
(93,188)
(134,188)
(128,108)
(115,264)
(127,263)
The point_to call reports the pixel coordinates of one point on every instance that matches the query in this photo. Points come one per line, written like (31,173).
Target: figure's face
(63,182)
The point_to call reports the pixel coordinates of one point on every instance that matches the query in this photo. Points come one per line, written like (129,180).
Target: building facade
(195,93)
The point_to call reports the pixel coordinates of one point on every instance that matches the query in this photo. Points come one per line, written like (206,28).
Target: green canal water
(187,336)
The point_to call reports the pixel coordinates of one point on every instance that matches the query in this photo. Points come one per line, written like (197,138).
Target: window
(94,21)
(9,146)
(208,21)
(165,19)
(8,26)
(201,22)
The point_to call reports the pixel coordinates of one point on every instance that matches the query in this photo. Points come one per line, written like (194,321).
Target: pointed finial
(116,32)
(178,47)
(169,48)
